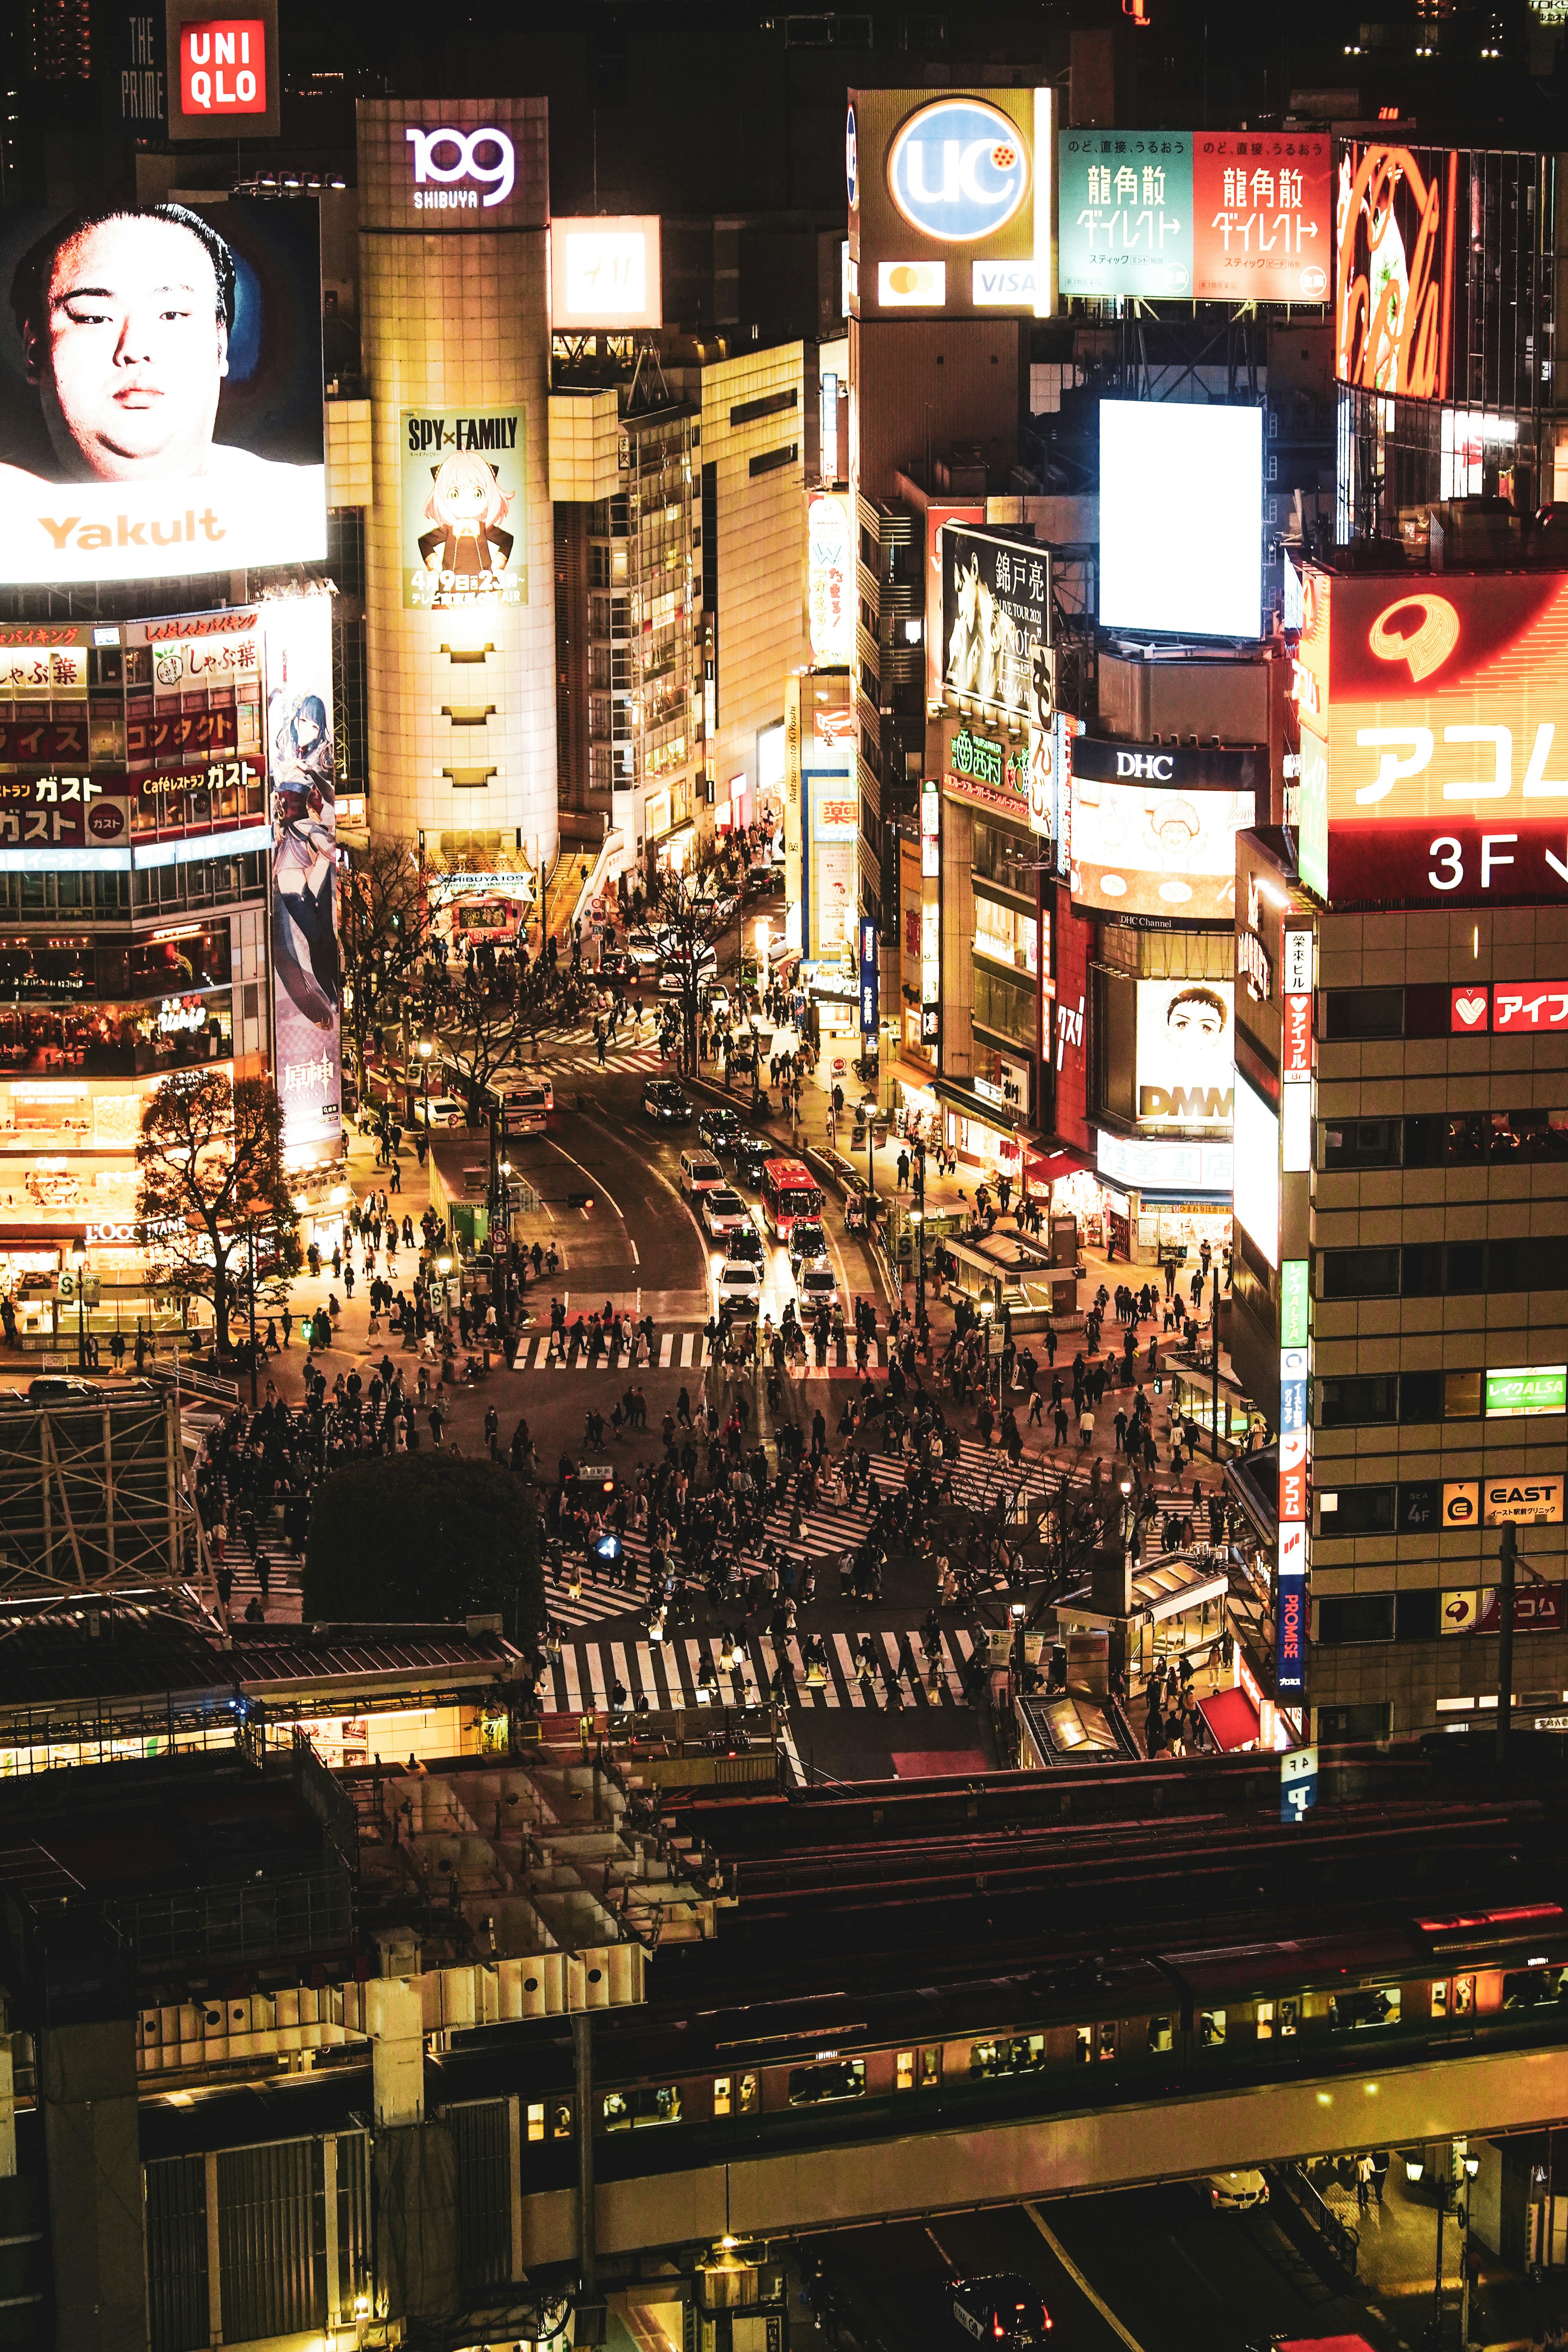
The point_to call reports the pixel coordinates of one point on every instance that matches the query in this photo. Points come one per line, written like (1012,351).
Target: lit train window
(1440,1996)
(560,2120)
(1356,2011)
(843,2078)
(905,2075)
(1019,2053)
(1159,2034)
(1290,2012)
(1265,2021)
(660,2104)
(931,2061)
(748,2095)
(1211,2029)
(1108,2040)
(1086,2045)
(1464,1996)
(536,2122)
(721,2095)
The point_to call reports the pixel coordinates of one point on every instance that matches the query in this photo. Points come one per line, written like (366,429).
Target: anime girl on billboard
(304,915)
(467,508)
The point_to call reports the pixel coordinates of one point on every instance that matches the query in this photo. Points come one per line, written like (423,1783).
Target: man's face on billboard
(130,352)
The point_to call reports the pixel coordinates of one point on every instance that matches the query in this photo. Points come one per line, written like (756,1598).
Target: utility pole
(1214,1369)
(1508,1555)
(920,1231)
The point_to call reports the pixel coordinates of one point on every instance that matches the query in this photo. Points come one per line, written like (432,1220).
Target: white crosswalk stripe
(685,1672)
(675,1349)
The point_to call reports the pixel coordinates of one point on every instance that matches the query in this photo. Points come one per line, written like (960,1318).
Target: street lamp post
(250,1242)
(920,1229)
(1214,1369)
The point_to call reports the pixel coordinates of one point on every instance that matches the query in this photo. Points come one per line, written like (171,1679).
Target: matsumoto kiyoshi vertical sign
(1124,212)
(465,514)
(297,638)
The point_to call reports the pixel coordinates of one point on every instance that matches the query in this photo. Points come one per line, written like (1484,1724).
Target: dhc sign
(958,171)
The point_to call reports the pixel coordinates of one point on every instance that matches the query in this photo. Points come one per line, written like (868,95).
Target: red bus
(788,1193)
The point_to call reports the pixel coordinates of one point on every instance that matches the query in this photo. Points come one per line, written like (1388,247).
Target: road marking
(1076,2276)
(940,2247)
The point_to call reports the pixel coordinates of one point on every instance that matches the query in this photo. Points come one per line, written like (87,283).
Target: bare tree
(384,925)
(213,1193)
(696,908)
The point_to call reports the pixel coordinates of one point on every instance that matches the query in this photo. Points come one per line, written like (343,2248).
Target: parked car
(666,1103)
(64,1387)
(440,1110)
(723,1211)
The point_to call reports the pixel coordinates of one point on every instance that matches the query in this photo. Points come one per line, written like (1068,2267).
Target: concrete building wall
(758,500)
(456,316)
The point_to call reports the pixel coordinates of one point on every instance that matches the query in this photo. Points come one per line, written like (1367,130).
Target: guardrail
(1333,2238)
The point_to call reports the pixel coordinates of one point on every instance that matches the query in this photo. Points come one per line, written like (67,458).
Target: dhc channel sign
(958,171)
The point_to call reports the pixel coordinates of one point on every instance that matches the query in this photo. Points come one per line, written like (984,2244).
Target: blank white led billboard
(1181,532)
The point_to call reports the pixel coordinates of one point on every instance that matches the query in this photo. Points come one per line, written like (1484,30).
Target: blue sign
(852,162)
(1290,1634)
(958,171)
(1293,1404)
(1298,1783)
(870,1006)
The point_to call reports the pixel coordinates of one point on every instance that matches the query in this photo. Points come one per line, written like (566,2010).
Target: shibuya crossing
(783,1180)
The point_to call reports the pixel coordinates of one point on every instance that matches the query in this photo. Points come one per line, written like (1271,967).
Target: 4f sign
(958,171)
(443,158)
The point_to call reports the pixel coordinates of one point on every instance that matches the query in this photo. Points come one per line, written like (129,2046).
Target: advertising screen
(1394,269)
(1181,518)
(830,567)
(464,537)
(1435,737)
(1124,208)
(160,391)
(1257,1165)
(1155,849)
(604,274)
(995,626)
(1186,1053)
(936,649)
(306,983)
(1262,216)
(949,200)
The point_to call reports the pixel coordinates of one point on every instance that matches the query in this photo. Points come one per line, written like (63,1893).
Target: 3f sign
(447,156)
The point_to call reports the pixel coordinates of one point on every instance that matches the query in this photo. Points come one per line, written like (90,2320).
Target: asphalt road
(1153,2270)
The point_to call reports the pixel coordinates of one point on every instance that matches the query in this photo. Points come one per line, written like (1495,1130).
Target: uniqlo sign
(221,70)
(1297,1037)
(223,66)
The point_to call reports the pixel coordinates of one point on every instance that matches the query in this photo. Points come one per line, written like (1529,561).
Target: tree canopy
(424,1538)
(211,1157)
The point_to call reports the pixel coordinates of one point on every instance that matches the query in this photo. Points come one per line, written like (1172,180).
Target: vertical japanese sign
(1262,217)
(1124,212)
(1295,1342)
(870,1005)
(830,572)
(297,638)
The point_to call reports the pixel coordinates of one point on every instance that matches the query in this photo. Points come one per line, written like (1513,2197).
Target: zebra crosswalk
(585,1593)
(677,1349)
(685,1672)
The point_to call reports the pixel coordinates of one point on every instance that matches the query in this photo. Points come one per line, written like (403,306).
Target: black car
(665,1104)
(751,1154)
(63,1388)
(1001,2309)
(745,1243)
(720,1131)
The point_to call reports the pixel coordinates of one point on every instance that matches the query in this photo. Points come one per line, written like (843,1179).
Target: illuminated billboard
(223,75)
(1154,828)
(605,273)
(1435,737)
(306,981)
(996,627)
(1257,1170)
(831,579)
(160,391)
(464,505)
(1181,518)
(1394,269)
(950,201)
(1186,1053)
(1219,215)
(936,651)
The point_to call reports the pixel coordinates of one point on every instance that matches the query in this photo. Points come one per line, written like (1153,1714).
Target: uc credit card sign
(1124,212)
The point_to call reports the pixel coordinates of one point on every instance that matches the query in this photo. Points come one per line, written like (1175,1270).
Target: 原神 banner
(306,979)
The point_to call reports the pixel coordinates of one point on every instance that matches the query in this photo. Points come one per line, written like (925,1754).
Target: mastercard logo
(1420,631)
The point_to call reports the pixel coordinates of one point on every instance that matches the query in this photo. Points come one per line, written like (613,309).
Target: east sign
(949,196)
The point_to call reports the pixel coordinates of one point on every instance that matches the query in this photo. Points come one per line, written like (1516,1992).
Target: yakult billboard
(160,391)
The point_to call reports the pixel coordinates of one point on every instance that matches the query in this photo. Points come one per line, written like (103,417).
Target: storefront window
(199,959)
(1002,855)
(117,1040)
(1004,1006)
(1002,933)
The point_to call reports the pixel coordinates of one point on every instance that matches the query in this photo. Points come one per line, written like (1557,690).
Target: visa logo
(1003,285)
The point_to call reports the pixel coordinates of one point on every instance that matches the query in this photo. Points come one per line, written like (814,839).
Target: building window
(1345,1404)
(1357,1511)
(1371,1720)
(771,403)
(1353,1617)
(1005,935)
(1004,1007)
(773,459)
(1358,1143)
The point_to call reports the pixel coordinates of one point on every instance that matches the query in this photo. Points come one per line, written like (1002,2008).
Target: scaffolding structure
(94,1499)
